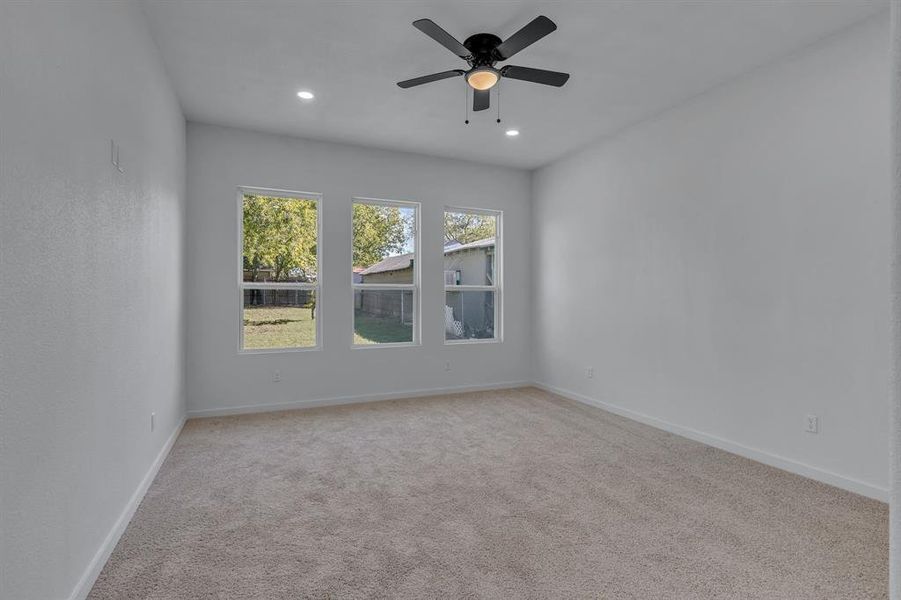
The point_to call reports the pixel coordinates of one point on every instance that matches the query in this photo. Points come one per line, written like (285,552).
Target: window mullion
(384,286)
(254,285)
(470,288)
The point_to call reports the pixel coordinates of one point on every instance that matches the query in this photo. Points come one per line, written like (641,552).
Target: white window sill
(472,341)
(278,350)
(386,345)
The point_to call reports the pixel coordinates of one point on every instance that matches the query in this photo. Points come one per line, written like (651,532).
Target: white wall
(895,467)
(218,378)
(724,267)
(91,303)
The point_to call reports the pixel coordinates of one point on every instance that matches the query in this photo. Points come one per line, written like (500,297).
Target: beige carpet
(507,494)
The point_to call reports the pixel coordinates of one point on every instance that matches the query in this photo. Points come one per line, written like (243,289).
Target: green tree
(467,227)
(280,236)
(377,232)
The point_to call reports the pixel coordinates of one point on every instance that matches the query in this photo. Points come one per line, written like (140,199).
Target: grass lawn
(376,330)
(278,327)
(294,327)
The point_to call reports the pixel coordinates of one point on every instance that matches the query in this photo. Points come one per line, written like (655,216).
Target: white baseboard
(83,588)
(338,400)
(767,458)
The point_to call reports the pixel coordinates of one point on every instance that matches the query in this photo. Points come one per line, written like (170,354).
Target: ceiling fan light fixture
(482,52)
(482,78)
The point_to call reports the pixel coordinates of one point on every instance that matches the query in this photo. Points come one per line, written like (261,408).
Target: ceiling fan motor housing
(483,49)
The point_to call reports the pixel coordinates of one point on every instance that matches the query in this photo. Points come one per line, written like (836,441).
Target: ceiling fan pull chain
(498,100)
(466,104)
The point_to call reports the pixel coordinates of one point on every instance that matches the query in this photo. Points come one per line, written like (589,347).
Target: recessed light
(305,95)
(512,132)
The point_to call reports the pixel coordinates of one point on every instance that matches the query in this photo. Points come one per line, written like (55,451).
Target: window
(472,289)
(278,270)
(385,274)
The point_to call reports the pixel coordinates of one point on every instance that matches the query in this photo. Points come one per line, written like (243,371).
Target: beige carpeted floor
(507,494)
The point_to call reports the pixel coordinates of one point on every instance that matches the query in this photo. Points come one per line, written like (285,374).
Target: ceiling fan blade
(431,29)
(525,37)
(554,78)
(430,78)
(481,100)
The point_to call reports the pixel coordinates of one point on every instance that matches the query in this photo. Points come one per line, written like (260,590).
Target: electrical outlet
(812,424)
(589,372)
(152,421)
(447,366)
(276,376)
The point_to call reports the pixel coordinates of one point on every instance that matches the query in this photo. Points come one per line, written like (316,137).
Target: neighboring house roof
(405,261)
(392,263)
(452,247)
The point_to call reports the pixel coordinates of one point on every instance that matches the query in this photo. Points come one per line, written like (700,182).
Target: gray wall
(473,265)
(724,267)
(91,299)
(399,276)
(218,378)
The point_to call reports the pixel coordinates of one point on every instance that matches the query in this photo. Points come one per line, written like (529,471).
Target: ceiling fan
(483,51)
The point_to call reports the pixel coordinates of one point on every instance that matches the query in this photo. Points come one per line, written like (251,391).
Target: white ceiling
(241,63)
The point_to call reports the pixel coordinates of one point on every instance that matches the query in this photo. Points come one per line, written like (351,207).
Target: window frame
(415,287)
(498,285)
(244,285)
